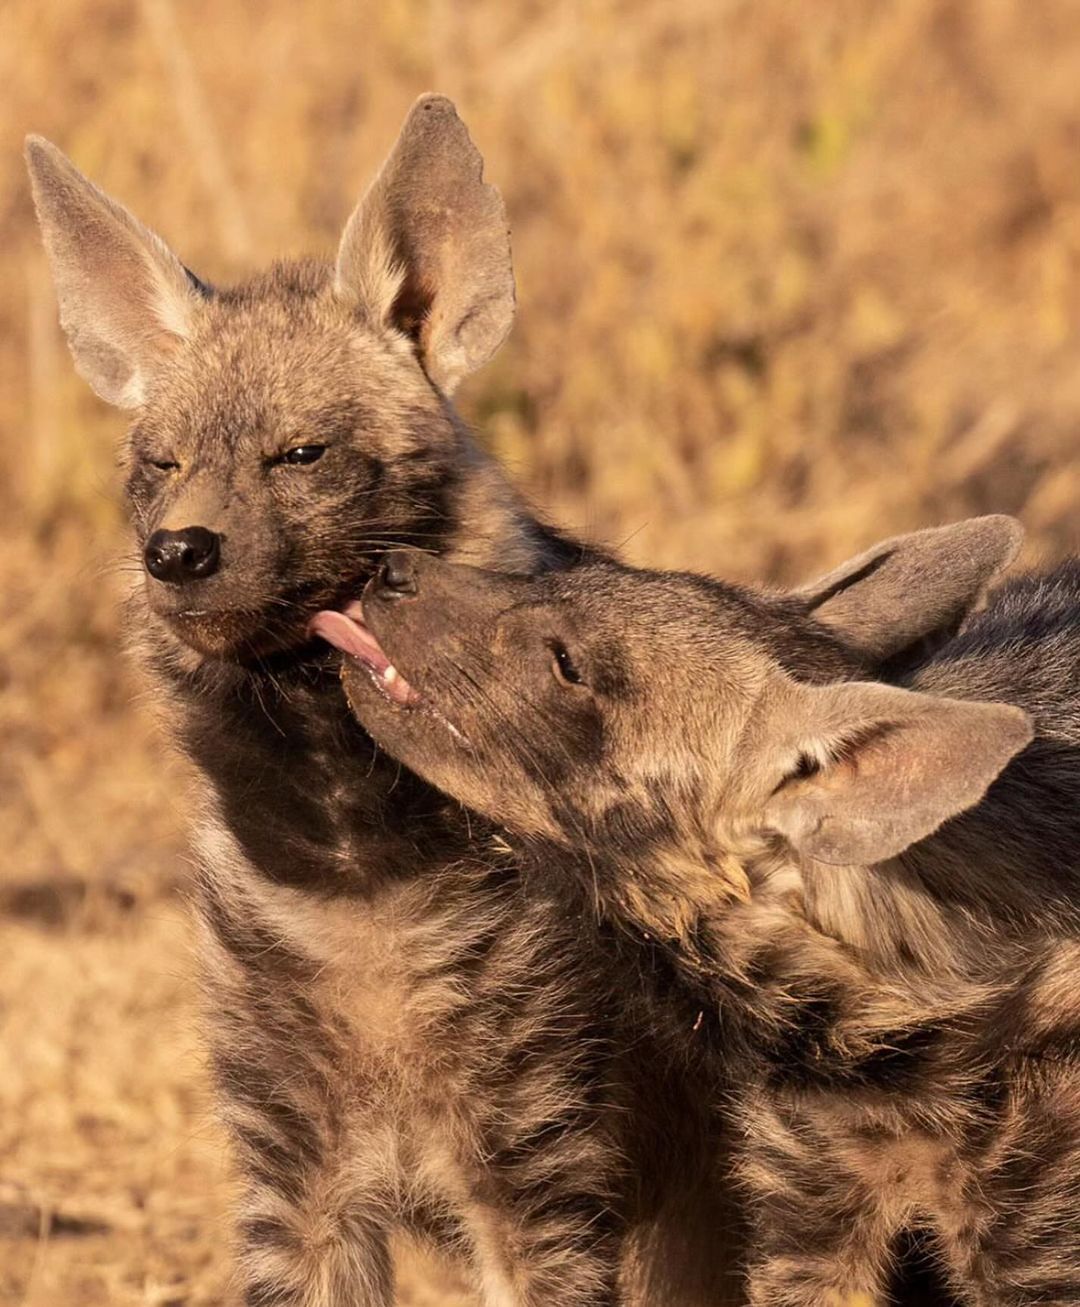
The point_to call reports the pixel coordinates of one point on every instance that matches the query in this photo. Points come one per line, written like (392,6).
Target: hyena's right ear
(125,299)
(427,250)
(914,589)
(856,772)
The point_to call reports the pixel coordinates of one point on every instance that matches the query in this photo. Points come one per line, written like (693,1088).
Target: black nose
(182,556)
(397,576)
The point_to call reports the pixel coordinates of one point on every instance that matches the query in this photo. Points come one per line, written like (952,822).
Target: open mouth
(346,630)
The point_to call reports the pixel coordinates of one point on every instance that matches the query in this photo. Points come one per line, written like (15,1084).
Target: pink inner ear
(863,756)
(903,763)
(125,299)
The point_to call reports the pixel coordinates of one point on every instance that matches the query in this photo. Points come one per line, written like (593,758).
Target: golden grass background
(791,277)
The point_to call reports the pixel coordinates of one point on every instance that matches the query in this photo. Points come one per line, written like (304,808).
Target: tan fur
(399,1080)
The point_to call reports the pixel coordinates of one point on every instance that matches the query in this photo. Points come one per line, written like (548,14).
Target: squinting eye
(302,455)
(164,464)
(563,666)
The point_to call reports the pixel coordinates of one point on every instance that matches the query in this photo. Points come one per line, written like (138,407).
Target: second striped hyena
(872,890)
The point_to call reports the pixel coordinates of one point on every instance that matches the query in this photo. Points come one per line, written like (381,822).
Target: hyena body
(892,1006)
(403,1036)
(455,1060)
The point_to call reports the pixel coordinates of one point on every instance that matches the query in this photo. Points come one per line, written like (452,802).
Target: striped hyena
(405,1033)
(872,890)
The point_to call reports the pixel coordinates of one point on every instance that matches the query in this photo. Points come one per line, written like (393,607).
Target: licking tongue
(346,631)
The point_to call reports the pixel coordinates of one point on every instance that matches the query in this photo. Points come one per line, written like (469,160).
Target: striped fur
(408,1029)
(401,1040)
(458,1059)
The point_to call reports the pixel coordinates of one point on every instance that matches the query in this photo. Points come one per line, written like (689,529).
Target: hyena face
(282,447)
(619,710)
(537,700)
(287,431)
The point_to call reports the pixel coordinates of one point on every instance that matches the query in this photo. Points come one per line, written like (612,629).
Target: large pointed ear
(858,771)
(913,588)
(125,298)
(428,248)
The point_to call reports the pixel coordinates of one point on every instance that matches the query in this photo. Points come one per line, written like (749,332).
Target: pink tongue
(350,635)
(346,631)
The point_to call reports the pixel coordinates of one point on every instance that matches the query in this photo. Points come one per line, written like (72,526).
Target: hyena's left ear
(427,250)
(856,772)
(913,588)
(125,299)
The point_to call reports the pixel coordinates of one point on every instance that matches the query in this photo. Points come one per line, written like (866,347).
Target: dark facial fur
(926,1078)
(408,1027)
(550,1181)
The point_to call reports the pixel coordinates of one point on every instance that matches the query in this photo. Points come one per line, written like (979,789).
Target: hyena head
(287,431)
(610,709)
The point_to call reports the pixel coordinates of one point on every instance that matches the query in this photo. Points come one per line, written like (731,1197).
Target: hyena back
(887,949)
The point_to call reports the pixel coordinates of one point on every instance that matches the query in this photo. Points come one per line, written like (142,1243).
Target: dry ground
(792,277)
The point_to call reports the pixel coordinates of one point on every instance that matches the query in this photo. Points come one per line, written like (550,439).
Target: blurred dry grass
(791,278)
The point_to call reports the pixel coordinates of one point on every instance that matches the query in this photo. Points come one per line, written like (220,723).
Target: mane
(287,280)
(1011,864)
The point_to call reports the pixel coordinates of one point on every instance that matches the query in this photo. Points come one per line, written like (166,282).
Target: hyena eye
(164,464)
(563,665)
(301,455)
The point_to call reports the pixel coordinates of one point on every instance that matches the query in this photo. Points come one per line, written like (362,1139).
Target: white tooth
(390,675)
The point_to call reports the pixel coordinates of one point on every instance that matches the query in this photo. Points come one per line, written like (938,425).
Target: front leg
(312,1224)
(563,1250)
(547,1214)
(820,1237)
(837,1261)
(1011,1219)
(306,1251)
